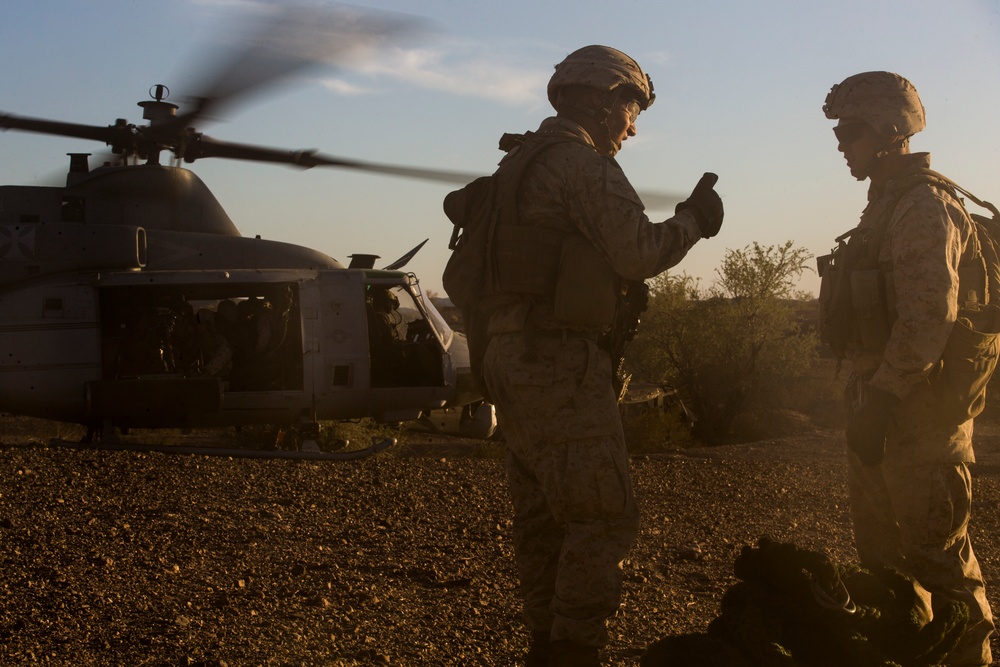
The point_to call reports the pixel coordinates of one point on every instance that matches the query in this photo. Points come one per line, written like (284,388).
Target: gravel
(124,558)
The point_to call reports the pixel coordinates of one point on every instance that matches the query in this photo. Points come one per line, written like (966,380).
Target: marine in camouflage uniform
(890,307)
(575,516)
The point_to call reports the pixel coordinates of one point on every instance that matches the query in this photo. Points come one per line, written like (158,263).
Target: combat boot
(538,651)
(564,653)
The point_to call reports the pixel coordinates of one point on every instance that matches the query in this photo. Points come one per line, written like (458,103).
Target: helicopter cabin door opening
(246,335)
(404,348)
(191,343)
(410,367)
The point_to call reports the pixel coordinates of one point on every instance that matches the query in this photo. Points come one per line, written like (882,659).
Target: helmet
(603,68)
(384,300)
(886,101)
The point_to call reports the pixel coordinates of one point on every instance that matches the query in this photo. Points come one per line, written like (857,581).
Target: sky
(739,85)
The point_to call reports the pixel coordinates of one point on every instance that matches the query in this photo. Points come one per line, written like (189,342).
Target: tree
(737,350)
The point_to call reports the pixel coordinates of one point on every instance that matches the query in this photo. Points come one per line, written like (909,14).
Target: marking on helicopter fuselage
(17,242)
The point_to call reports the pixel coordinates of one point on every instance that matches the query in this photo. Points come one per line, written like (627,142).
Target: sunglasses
(848,134)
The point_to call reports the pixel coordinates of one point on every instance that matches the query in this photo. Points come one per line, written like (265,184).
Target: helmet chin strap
(891,146)
(611,99)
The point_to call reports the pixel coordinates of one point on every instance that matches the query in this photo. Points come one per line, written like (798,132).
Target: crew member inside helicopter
(215,351)
(384,319)
(258,329)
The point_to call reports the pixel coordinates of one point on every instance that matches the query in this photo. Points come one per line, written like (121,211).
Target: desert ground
(404,558)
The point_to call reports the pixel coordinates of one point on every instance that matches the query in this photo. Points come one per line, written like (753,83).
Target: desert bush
(655,431)
(741,351)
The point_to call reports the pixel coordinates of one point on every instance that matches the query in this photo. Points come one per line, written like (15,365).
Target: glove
(867,429)
(706,205)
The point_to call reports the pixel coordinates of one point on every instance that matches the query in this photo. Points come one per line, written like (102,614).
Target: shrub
(742,350)
(655,431)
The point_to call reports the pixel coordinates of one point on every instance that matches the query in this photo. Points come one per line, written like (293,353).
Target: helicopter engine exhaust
(34,250)
(74,246)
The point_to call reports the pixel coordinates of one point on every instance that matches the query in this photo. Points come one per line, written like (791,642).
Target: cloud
(346,88)
(657,57)
(459,72)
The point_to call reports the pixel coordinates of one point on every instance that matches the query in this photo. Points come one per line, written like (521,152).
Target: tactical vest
(857,300)
(494,256)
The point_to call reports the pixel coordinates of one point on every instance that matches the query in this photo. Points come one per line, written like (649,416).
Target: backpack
(475,211)
(973,349)
(987,235)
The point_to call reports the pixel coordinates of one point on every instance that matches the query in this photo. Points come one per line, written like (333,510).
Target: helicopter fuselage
(129,297)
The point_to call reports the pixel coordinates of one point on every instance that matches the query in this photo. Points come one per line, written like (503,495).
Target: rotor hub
(157,110)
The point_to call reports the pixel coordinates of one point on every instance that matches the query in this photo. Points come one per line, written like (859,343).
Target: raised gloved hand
(706,205)
(867,428)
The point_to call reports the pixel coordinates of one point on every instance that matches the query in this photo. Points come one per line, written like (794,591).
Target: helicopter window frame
(406,348)
(444,332)
(411,285)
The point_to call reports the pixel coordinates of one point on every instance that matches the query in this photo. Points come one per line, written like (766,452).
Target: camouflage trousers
(575,516)
(915,518)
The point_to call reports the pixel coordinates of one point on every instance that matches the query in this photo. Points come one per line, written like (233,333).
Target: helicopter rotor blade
(280,41)
(439,175)
(109,134)
(201,146)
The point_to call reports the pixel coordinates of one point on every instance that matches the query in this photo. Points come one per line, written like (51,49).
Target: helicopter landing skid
(234,452)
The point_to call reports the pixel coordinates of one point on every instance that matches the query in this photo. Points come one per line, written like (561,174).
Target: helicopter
(129,299)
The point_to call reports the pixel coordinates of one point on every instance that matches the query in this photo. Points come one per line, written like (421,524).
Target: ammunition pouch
(871,305)
(974,279)
(969,360)
(856,298)
(835,306)
(553,264)
(526,259)
(587,289)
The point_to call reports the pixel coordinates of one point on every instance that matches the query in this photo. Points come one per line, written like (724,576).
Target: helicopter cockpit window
(444,332)
(248,336)
(405,349)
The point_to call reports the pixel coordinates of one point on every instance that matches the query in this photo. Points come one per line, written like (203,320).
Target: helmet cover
(884,100)
(603,68)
